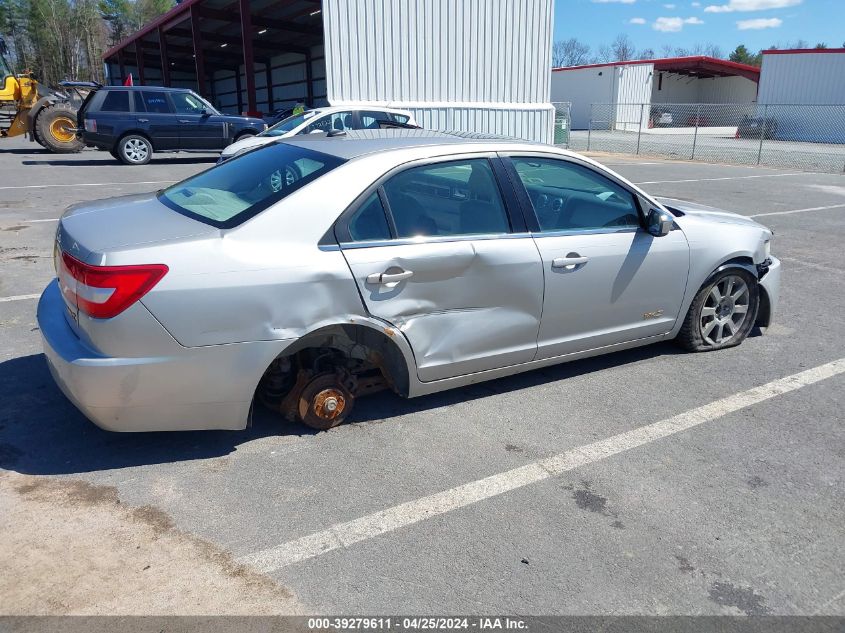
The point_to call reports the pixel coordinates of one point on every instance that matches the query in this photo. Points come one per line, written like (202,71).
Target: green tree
(742,55)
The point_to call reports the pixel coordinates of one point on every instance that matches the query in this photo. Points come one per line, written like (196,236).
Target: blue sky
(726,23)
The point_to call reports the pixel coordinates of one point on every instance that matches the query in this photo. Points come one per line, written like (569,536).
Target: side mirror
(659,223)
(205,112)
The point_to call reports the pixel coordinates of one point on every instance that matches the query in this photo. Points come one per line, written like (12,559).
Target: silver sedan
(313,271)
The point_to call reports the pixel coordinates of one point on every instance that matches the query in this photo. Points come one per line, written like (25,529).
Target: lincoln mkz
(313,271)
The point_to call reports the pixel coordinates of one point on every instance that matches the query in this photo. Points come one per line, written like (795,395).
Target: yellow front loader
(49,118)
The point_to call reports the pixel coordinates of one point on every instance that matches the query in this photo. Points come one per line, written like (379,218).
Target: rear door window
(450,198)
(370,119)
(234,191)
(139,102)
(156,102)
(369,222)
(116,101)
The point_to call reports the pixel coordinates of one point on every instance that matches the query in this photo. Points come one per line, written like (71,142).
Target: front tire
(722,313)
(134,149)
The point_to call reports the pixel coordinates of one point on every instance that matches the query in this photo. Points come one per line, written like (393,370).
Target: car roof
(354,143)
(353,108)
(156,88)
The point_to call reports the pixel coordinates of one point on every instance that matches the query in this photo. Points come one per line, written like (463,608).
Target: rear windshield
(242,187)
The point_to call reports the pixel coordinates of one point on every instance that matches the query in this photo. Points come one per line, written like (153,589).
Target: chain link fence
(563,123)
(805,137)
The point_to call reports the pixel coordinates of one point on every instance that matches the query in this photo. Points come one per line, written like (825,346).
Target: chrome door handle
(389,278)
(566,262)
(143,120)
(184,121)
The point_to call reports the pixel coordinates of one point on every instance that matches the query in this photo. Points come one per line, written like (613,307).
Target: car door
(607,280)
(198,128)
(437,252)
(158,120)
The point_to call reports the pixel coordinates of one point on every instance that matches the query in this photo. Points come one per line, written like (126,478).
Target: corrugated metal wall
(805,94)
(483,64)
(584,87)
(288,75)
(633,86)
(802,78)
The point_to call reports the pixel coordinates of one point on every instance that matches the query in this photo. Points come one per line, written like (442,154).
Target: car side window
(337,122)
(451,198)
(139,102)
(156,102)
(369,222)
(399,118)
(567,196)
(116,101)
(370,119)
(187,103)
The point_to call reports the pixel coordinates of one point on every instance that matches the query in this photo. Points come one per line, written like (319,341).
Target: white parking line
(345,534)
(624,164)
(661,182)
(36,221)
(18,298)
(833,206)
(821,267)
(92,184)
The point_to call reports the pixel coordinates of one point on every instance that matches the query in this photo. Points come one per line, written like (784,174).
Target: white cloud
(636,21)
(614,1)
(750,5)
(759,23)
(673,25)
(696,4)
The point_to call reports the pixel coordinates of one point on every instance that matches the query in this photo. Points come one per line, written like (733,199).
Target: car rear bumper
(207,387)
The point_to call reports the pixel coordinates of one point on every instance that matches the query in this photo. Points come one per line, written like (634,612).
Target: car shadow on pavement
(108,160)
(42,433)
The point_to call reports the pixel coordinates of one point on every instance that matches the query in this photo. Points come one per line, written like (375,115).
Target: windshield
(289,124)
(234,191)
(5,70)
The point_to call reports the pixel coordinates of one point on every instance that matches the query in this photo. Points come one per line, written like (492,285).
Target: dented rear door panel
(470,304)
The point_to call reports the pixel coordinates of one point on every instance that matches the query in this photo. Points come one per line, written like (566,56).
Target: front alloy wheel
(722,313)
(725,310)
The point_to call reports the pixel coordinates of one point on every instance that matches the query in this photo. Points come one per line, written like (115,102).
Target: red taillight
(105,291)
(90,125)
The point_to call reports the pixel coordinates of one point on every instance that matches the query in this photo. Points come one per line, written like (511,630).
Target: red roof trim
(798,51)
(692,60)
(183,7)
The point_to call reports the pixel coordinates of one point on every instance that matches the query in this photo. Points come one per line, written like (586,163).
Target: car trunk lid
(90,235)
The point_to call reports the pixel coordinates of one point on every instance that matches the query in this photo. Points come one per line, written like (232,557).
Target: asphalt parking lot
(434,505)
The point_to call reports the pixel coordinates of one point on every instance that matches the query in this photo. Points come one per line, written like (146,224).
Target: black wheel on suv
(134,149)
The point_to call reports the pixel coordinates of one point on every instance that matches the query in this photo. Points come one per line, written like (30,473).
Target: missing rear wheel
(325,402)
